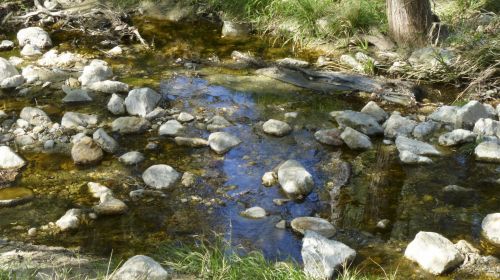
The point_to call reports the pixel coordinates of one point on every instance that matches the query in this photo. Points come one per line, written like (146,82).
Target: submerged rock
(329,137)
(217,123)
(141,101)
(323,257)
(294,178)
(116,105)
(160,176)
(411,158)
(139,268)
(109,205)
(318,225)
(488,151)
(191,142)
(130,125)
(70,220)
(415,146)
(255,212)
(276,128)
(131,158)
(359,121)
(491,228)
(86,151)
(35,36)
(9,159)
(433,252)
(171,128)
(222,142)
(457,136)
(75,95)
(355,139)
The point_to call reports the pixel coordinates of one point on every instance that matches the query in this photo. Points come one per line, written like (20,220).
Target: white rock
(359,121)
(255,212)
(445,114)
(411,158)
(105,141)
(12,82)
(415,146)
(488,151)
(70,220)
(470,113)
(160,176)
(323,257)
(171,128)
(9,159)
(269,179)
(7,70)
(371,108)
(185,117)
(355,139)
(53,58)
(141,101)
(116,105)
(457,136)
(73,120)
(30,50)
(491,227)
(35,36)
(318,225)
(222,142)
(109,205)
(487,127)
(108,86)
(97,190)
(131,158)
(116,51)
(276,127)
(140,268)
(96,71)
(294,178)
(6,45)
(433,252)
(397,125)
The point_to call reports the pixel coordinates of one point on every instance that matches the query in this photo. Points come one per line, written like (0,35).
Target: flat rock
(9,159)
(323,257)
(318,225)
(130,125)
(131,158)
(140,268)
(456,137)
(73,120)
(108,86)
(110,205)
(255,212)
(234,29)
(141,101)
(222,142)
(276,128)
(171,128)
(411,158)
(329,137)
(359,121)
(14,196)
(191,142)
(294,179)
(355,139)
(491,228)
(488,151)
(185,117)
(35,36)
(160,176)
(414,146)
(75,95)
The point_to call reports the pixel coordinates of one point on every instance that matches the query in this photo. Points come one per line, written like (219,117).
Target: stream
(411,197)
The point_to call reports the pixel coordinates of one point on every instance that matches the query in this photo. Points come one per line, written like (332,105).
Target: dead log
(396,91)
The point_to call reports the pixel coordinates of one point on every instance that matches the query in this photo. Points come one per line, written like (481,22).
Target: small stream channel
(411,197)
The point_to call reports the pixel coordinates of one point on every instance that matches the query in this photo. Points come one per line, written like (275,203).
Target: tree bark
(409,21)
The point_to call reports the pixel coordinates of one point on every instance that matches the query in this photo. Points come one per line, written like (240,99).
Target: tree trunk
(409,21)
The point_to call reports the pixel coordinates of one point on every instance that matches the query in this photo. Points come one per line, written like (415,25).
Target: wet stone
(14,196)
(318,225)
(131,158)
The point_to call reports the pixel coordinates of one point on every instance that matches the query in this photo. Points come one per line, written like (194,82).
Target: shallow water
(380,188)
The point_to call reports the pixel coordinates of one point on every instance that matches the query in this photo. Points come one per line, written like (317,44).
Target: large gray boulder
(323,257)
(35,36)
(487,127)
(7,70)
(222,142)
(415,146)
(73,120)
(294,179)
(397,125)
(96,71)
(470,113)
(371,108)
(9,159)
(318,225)
(105,141)
(141,101)
(130,125)
(433,252)
(160,176)
(491,228)
(34,116)
(359,121)
(445,114)
(488,151)
(355,139)
(140,268)
(456,137)
(276,128)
